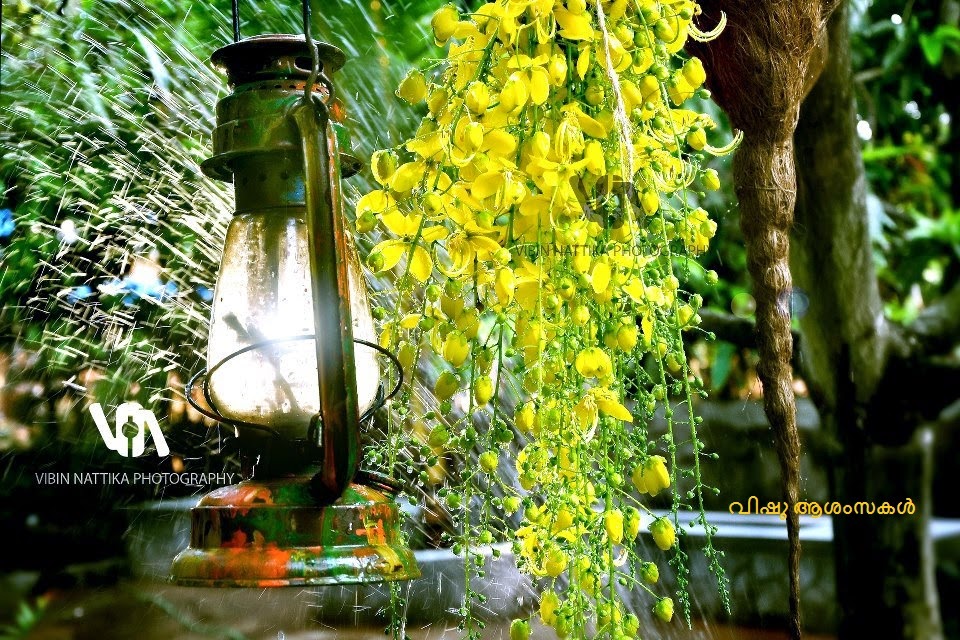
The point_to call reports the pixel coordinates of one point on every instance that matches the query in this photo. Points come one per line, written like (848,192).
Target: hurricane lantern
(289,305)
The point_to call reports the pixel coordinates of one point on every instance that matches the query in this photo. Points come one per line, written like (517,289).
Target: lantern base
(273,534)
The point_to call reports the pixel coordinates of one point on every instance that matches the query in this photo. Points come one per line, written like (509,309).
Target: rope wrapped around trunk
(759,70)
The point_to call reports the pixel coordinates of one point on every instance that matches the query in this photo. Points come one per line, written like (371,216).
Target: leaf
(722,364)
(932,47)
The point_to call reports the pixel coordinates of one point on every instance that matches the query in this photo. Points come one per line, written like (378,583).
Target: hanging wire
(314,53)
(235,7)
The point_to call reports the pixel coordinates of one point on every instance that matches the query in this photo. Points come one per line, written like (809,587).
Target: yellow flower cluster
(539,205)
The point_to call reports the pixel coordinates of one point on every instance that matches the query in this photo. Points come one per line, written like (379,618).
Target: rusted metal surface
(268,74)
(273,534)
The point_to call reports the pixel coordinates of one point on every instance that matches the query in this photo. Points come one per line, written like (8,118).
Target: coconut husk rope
(759,70)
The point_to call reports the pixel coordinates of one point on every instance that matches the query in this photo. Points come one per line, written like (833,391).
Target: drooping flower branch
(536,223)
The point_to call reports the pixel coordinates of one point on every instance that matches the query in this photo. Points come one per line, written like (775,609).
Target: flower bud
(697,139)
(649,572)
(632,523)
(613,524)
(482,390)
(384,164)
(664,609)
(664,535)
(446,385)
(711,180)
(489,461)
(477,97)
(520,630)
(456,348)
(693,72)
(444,23)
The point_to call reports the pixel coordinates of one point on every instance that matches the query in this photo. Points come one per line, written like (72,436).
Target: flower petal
(420,264)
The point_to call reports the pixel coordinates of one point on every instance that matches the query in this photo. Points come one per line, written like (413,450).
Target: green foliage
(911,147)
(27,617)
(107,111)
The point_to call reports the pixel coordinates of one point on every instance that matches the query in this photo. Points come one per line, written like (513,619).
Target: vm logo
(141,418)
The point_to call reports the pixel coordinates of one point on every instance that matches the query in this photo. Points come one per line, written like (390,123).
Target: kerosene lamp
(289,305)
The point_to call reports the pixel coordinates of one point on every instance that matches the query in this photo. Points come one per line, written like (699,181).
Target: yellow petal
(614,409)
(375,202)
(591,127)
(539,85)
(487,184)
(573,27)
(434,233)
(391,251)
(505,285)
(399,224)
(421,265)
(407,176)
(499,142)
(410,321)
(484,244)
(600,277)
(583,62)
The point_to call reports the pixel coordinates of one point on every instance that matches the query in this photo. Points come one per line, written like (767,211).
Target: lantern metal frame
(340,524)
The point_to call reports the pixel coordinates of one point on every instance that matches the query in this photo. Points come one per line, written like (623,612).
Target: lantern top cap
(270,56)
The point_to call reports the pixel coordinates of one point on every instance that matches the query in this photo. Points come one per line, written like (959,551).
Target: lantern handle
(338,441)
(235,13)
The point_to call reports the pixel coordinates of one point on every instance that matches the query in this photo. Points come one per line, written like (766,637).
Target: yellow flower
(595,161)
(549,601)
(477,97)
(407,177)
(534,75)
(613,524)
(482,390)
(627,336)
(664,535)
(587,413)
(413,88)
(652,476)
(504,285)
(376,202)
(609,404)
(593,362)
(568,140)
(557,70)
(446,385)
(556,562)
(525,418)
(456,348)
(468,136)
(444,23)
(513,95)
(573,25)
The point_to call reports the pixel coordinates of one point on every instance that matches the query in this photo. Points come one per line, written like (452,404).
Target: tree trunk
(884,563)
